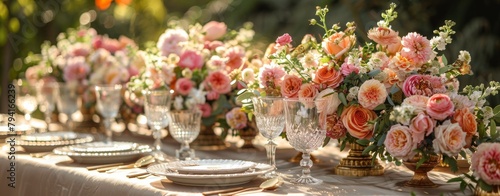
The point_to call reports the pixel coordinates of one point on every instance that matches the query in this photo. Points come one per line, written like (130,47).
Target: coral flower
(371,94)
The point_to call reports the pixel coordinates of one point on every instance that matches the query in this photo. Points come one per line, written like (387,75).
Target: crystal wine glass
(306,131)
(157,107)
(46,95)
(108,104)
(68,101)
(184,128)
(270,119)
(25,98)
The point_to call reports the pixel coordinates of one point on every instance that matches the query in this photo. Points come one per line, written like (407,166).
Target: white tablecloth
(57,175)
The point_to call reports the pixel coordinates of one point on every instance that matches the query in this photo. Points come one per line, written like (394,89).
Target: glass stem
(48,119)
(271,154)
(27,116)
(306,164)
(108,131)
(185,146)
(69,123)
(157,137)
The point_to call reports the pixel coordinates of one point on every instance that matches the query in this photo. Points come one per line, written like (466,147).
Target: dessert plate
(104,157)
(49,136)
(104,147)
(211,166)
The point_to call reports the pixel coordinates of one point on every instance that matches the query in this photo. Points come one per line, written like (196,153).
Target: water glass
(184,128)
(26,100)
(270,119)
(157,107)
(108,104)
(68,101)
(46,95)
(306,131)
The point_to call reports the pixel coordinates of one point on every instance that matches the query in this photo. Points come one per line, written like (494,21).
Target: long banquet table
(58,175)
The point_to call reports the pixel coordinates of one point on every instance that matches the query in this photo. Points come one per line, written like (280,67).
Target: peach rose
(308,90)
(418,102)
(466,120)
(485,163)
(449,139)
(392,49)
(337,44)
(421,126)
(214,30)
(356,120)
(219,82)
(399,142)
(383,36)
(371,94)
(290,86)
(328,76)
(440,106)
(402,63)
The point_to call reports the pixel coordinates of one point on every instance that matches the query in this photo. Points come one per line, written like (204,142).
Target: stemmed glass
(68,101)
(185,127)
(108,104)
(270,120)
(306,131)
(46,95)
(157,107)
(25,98)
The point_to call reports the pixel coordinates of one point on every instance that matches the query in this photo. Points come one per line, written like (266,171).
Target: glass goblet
(108,103)
(157,107)
(68,101)
(270,120)
(184,128)
(26,100)
(306,131)
(46,95)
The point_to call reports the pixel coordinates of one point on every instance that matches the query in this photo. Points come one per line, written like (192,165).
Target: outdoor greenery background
(25,24)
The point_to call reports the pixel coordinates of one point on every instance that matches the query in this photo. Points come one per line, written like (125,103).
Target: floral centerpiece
(198,64)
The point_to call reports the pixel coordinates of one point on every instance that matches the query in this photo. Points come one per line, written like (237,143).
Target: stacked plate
(47,141)
(104,152)
(210,172)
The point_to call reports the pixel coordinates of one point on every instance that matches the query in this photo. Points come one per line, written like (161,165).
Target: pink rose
(328,76)
(206,110)
(399,142)
(219,82)
(423,85)
(421,126)
(383,36)
(76,69)
(212,45)
(485,163)
(347,68)
(283,40)
(418,102)
(440,106)
(449,139)
(356,120)
(190,59)
(168,42)
(212,95)
(214,30)
(290,86)
(271,75)
(371,94)
(236,118)
(308,90)
(183,86)
(80,49)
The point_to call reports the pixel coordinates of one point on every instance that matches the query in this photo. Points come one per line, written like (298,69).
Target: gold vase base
(480,192)
(298,157)
(208,143)
(376,170)
(417,184)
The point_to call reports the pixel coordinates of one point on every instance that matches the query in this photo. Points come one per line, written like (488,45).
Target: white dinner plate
(208,179)
(44,146)
(49,136)
(103,147)
(104,157)
(211,166)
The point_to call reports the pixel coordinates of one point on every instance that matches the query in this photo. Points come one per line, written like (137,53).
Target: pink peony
(190,59)
(168,42)
(423,85)
(236,118)
(80,49)
(418,102)
(449,139)
(328,77)
(290,86)
(76,69)
(308,90)
(334,127)
(214,30)
(440,106)
(486,163)
(283,40)
(347,68)
(206,110)
(183,86)
(371,94)
(212,95)
(416,48)
(219,82)
(399,142)
(421,126)
(271,75)
(383,36)
(234,57)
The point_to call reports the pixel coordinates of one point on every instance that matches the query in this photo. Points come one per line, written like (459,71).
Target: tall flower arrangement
(197,63)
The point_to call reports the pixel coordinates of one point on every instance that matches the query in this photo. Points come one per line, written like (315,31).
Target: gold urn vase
(208,140)
(357,164)
(420,178)
(478,191)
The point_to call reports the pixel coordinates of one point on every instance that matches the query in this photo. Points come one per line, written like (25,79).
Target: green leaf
(244,96)
(363,142)
(484,186)
(241,91)
(444,60)
(325,142)
(380,142)
(421,161)
(373,73)
(455,179)
(413,194)
(342,98)
(493,130)
(463,154)
(390,100)
(342,145)
(380,107)
(463,185)
(443,70)
(394,89)
(368,149)
(452,163)
(496,111)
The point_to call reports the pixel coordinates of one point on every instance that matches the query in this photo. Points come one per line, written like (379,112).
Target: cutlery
(222,191)
(40,154)
(103,166)
(135,175)
(269,184)
(143,176)
(139,163)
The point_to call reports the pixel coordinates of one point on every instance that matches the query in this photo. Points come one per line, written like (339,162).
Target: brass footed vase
(420,178)
(478,191)
(357,164)
(208,140)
